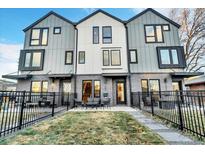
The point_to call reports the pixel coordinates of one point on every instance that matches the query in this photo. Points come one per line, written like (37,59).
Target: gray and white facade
(102,55)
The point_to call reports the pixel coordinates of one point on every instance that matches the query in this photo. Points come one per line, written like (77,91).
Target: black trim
(155,33)
(66,57)
(181,57)
(41,84)
(30,68)
(44,17)
(148,84)
(136,56)
(119,57)
(106,37)
(97,27)
(54,28)
(83,52)
(108,58)
(165,25)
(40,36)
(156,13)
(100,11)
(94,89)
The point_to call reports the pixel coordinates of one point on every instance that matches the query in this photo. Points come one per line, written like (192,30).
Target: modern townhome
(102,56)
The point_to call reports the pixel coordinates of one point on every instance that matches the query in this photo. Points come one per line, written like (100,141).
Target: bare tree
(192,36)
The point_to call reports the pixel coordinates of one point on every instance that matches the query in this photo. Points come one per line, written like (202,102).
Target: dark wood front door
(120,92)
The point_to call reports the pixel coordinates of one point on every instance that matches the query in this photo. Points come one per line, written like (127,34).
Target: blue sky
(13,21)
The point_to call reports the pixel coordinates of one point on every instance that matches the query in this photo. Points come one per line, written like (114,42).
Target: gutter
(76,51)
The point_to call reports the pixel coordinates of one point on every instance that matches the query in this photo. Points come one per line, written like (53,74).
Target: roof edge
(156,13)
(44,17)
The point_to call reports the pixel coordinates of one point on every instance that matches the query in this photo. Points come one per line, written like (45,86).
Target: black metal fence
(19,109)
(184,109)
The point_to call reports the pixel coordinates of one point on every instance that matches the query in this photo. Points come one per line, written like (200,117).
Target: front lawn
(87,128)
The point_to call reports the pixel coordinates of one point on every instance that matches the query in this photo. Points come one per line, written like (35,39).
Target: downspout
(128,63)
(76,51)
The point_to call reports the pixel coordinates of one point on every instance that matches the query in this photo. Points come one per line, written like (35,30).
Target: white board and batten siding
(93,52)
(54,58)
(146,52)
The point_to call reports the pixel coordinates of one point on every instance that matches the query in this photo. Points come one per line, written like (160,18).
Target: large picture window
(107,34)
(39,86)
(171,57)
(39,37)
(31,60)
(153,34)
(150,85)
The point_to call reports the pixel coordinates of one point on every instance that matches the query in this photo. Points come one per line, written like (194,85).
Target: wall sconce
(165,80)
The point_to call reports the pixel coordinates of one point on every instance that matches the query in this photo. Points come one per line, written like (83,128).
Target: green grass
(87,128)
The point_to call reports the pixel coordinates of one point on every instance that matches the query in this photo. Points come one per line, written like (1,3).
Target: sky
(13,21)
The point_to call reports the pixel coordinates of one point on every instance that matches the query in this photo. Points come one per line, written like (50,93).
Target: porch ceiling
(185,74)
(60,75)
(114,74)
(16,77)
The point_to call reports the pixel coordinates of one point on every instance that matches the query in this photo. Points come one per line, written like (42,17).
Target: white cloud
(89,10)
(9,55)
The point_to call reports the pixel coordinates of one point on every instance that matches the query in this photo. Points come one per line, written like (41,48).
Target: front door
(120,87)
(86,90)
(66,89)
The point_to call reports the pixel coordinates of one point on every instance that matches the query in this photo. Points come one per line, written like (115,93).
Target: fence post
(68,102)
(22,109)
(139,100)
(179,111)
(53,105)
(152,102)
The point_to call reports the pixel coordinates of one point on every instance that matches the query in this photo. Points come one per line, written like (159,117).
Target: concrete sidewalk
(170,135)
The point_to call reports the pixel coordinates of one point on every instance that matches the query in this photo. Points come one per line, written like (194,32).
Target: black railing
(184,109)
(19,109)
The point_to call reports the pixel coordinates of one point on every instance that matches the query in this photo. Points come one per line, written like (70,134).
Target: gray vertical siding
(54,60)
(147,54)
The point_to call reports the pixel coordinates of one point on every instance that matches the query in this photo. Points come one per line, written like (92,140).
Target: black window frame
(66,63)
(40,36)
(180,53)
(54,28)
(119,57)
(41,85)
(165,25)
(108,57)
(136,56)
(79,57)
(23,58)
(106,37)
(97,27)
(148,85)
(155,33)
(94,89)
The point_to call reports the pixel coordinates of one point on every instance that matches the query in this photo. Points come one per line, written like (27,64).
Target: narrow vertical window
(95,35)
(174,57)
(45,86)
(115,57)
(165,57)
(133,56)
(106,58)
(68,58)
(36,86)
(36,61)
(107,34)
(81,57)
(97,89)
(27,59)
(144,86)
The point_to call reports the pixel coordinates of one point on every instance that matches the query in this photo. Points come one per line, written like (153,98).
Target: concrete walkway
(170,135)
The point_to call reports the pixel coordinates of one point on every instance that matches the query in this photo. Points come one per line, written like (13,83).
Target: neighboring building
(102,55)
(195,83)
(7,85)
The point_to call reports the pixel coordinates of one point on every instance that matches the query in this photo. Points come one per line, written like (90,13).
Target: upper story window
(166,27)
(81,57)
(115,57)
(133,56)
(107,34)
(153,34)
(39,37)
(57,30)
(68,57)
(171,57)
(31,60)
(96,35)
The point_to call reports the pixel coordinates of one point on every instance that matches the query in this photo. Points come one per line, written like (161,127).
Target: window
(38,86)
(144,85)
(81,57)
(107,34)
(95,35)
(133,56)
(166,27)
(106,61)
(150,85)
(171,57)
(39,37)
(57,30)
(31,60)
(115,57)
(97,89)
(153,34)
(68,58)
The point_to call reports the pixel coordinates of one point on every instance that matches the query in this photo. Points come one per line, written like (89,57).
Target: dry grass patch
(87,128)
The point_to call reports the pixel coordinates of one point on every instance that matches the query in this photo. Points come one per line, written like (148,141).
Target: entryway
(120,92)
(65,89)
